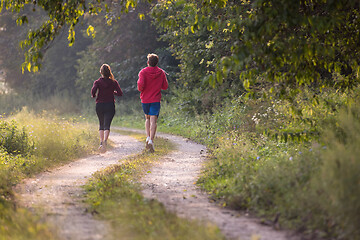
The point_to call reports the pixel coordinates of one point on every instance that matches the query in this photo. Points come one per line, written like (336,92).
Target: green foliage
(56,139)
(199,49)
(339,176)
(252,44)
(299,182)
(67,73)
(44,141)
(60,15)
(57,78)
(115,194)
(21,225)
(124,45)
(13,140)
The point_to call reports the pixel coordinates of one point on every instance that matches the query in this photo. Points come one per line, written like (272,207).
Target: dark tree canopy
(277,45)
(287,44)
(60,15)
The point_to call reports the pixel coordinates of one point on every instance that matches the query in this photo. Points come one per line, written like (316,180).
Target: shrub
(340,174)
(13,140)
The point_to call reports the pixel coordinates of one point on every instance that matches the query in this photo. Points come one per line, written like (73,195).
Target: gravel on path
(172,182)
(58,194)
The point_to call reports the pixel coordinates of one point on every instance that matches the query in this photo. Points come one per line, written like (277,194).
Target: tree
(124,45)
(280,45)
(199,48)
(11,56)
(61,14)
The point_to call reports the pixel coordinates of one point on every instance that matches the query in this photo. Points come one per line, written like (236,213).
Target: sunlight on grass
(115,195)
(57,139)
(29,144)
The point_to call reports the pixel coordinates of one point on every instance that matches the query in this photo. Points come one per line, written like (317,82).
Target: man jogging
(152,80)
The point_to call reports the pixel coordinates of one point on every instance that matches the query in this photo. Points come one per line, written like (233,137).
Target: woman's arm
(118,91)
(94,89)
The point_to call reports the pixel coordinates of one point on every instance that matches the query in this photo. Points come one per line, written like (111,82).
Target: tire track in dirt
(172,182)
(57,194)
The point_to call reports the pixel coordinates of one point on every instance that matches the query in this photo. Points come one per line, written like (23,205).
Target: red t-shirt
(107,88)
(151,81)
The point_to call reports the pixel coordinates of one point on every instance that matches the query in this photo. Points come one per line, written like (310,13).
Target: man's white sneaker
(147,143)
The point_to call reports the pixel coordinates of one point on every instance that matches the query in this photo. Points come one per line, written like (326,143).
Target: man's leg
(153,127)
(147,125)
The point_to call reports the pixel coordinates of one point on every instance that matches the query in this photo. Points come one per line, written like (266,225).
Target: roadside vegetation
(31,143)
(270,86)
(115,195)
(294,171)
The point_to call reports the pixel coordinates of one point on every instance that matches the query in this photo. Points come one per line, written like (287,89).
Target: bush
(13,140)
(339,178)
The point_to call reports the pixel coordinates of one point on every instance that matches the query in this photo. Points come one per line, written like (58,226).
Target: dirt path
(58,193)
(172,182)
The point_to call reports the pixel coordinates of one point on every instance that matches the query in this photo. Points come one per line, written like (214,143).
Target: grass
(303,172)
(29,144)
(115,195)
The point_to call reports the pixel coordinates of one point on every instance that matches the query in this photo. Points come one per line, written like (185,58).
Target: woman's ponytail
(106,72)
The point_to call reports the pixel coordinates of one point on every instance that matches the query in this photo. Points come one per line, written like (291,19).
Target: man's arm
(141,82)
(165,83)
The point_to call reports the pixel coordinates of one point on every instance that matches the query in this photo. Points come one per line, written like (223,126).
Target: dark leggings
(105,113)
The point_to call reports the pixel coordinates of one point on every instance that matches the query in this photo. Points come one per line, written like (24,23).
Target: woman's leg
(100,114)
(108,117)
(101,133)
(106,135)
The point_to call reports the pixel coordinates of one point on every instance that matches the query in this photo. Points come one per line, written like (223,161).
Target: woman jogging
(104,90)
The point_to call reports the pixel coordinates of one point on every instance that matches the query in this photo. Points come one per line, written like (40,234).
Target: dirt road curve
(172,182)
(58,194)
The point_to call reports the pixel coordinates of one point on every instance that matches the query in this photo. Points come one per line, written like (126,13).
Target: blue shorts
(152,109)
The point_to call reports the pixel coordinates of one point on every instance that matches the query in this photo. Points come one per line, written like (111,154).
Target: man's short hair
(153,59)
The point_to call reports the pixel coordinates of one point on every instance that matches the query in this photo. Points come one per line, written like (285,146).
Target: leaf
(91,31)
(71,36)
(28,66)
(141,16)
(219,77)
(246,84)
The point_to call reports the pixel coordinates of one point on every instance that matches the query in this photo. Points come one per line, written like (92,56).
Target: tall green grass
(31,143)
(295,164)
(115,195)
(339,178)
